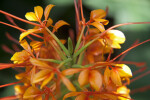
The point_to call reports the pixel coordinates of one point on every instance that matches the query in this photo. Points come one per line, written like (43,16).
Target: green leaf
(70,45)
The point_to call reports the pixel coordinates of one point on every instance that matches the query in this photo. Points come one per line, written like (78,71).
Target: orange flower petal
(31,92)
(59,24)
(71,94)
(40,76)
(115,77)
(71,71)
(83,77)
(49,22)
(99,13)
(20,57)
(107,75)
(26,33)
(47,10)
(95,79)
(26,46)
(40,64)
(67,83)
(104,21)
(38,12)
(31,16)
(47,80)
(63,41)
(98,26)
(124,71)
(81,97)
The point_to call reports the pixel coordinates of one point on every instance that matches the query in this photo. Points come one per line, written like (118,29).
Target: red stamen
(11,20)
(11,38)
(121,58)
(108,58)
(8,14)
(81,9)
(129,49)
(16,27)
(15,47)
(8,50)
(118,25)
(139,70)
(9,98)
(142,89)
(139,64)
(140,76)
(9,84)
(77,16)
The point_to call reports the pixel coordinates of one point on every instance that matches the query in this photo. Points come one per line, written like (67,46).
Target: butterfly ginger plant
(83,70)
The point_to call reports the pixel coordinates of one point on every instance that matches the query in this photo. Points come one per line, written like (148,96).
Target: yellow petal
(71,94)
(107,75)
(38,12)
(83,77)
(116,36)
(40,64)
(115,77)
(98,26)
(40,76)
(67,83)
(47,10)
(59,24)
(20,57)
(95,79)
(36,45)
(49,22)
(99,13)
(47,80)
(31,16)
(124,71)
(26,46)
(71,71)
(26,33)
(31,92)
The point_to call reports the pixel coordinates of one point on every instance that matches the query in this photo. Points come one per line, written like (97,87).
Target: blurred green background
(120,11)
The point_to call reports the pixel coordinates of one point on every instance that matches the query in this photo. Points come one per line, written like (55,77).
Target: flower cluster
(83,70)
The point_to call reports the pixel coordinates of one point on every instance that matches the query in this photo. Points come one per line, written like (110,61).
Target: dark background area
(120,11)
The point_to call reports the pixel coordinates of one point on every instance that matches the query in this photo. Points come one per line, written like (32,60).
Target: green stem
(51,60)
(59,42)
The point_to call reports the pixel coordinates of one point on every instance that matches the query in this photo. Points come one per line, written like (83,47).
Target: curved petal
(59,24)
(107,75)
(26,46)
(47,80)
(98,26)
(40,76)
(115,77)
(124,71)
(38,12)
(49,22)
(31,92)
(40,64)
(31,16)
(71,71)
(47,10)
(71,94)
(95,79)
(83,77)
(103,21)
(67,83)
(99,13)
(26,33)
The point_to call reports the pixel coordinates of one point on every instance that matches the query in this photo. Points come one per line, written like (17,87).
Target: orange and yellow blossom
(84,70)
